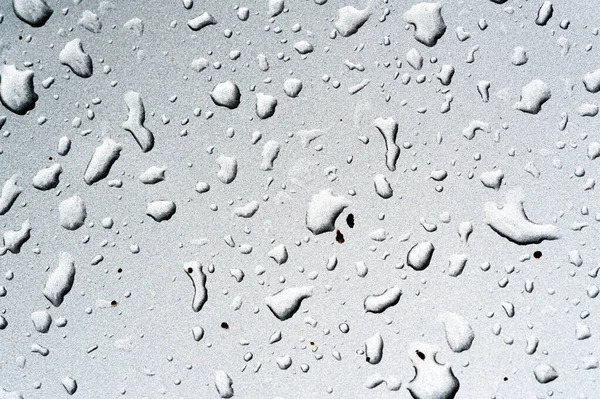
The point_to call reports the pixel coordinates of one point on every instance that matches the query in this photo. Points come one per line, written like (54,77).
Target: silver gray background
(156,319)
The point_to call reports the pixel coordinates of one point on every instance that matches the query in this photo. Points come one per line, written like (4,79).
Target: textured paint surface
(299,199)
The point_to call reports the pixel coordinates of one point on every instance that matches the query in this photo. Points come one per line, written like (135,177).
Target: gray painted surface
(142,345)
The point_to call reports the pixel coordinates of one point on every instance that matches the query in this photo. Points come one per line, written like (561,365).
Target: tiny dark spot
(505,378)
(339,237)
(340,119)
(190,270)
(119,270)
(20,37)
(50,158)
(537,254)
(312,343)
(420,354)
(113,303)
(225,326)
(368,359)
(350,220)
